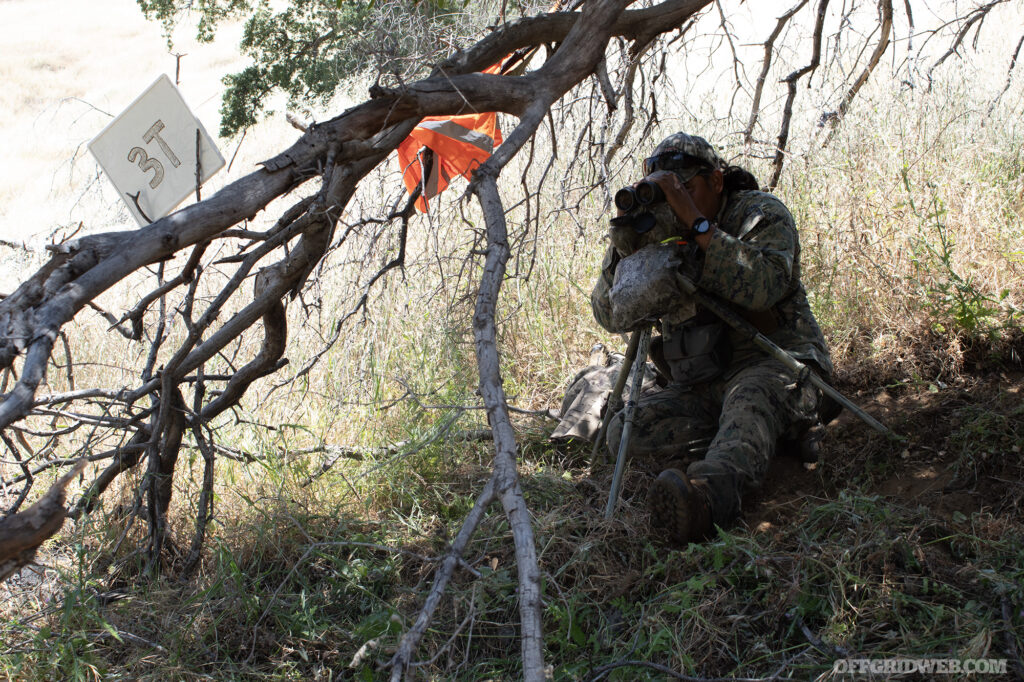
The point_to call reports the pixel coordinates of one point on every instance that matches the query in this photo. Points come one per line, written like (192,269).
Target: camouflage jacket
(753,261)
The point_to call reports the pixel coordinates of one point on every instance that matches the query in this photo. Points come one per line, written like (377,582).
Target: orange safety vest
(460,144)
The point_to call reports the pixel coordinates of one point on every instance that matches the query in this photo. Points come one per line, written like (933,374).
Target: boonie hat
(684,154)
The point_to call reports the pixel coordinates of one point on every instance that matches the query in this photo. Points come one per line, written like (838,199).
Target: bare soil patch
(961,453)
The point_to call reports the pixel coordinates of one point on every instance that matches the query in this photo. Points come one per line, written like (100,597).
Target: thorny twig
(1009,75)
(885,22)
(766,62)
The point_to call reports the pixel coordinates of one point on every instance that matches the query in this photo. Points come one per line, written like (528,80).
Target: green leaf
(577,634)
(113,633)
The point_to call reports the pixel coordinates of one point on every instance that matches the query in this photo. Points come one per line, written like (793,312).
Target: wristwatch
(701,226)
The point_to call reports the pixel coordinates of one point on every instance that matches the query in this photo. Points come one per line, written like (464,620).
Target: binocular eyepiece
(644,194)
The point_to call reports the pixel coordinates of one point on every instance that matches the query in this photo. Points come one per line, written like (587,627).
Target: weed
(955,302)
(297,579)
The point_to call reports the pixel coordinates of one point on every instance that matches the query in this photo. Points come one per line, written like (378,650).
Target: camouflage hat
(684,154)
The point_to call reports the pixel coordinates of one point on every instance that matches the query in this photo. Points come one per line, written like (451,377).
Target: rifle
(639,343)
(799,369)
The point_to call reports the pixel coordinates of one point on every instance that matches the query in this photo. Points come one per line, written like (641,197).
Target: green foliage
(211,12)
(305,51)
(69,645)
(955,301)
(244,97)
(986,436)
(285,591)
(298,585)
(309,48)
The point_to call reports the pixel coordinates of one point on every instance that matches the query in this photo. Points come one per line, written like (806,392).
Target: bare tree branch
(766,63)
(506,476)
(574,59)
(626,93)
(885,12)
(401,662)
(791,81)
(22,533)
(32,315)
(976,16)
(1009,75)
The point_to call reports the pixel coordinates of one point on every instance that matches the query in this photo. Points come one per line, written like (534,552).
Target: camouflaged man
(725,405)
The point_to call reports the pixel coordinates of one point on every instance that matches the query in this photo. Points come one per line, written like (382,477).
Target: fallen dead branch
(22,533)
(173,401)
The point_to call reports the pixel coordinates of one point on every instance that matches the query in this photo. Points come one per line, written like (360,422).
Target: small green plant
(75,630)
(955,302)
(986,436)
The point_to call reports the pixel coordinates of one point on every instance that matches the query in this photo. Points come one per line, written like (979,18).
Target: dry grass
(832,563)
(67,70)
(911,230)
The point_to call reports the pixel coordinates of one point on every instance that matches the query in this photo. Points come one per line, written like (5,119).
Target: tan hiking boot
(680,509)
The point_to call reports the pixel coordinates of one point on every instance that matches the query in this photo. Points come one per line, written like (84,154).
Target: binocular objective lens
(648,192)
(625,199)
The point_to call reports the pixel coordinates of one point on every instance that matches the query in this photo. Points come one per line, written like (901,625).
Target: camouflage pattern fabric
(667,227)
(647,285)
(734,423)
(584,402)
(600,302)
(694,145)
(753,261)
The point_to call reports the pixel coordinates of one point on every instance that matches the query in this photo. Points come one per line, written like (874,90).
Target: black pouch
(697,353)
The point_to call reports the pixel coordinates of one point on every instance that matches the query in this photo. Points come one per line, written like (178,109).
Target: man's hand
(681,202)
(676,195)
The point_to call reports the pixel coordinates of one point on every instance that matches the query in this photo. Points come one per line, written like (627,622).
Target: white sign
(150,151)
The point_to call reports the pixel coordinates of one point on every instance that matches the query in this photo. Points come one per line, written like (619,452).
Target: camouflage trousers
(734,422)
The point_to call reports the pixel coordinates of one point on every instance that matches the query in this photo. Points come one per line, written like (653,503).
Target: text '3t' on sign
(150,153)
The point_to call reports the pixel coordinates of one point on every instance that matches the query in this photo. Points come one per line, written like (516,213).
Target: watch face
(701,226)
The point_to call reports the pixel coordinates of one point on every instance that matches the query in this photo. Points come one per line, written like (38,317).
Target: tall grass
(913,254)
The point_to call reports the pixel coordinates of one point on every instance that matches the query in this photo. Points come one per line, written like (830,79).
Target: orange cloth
(460,144)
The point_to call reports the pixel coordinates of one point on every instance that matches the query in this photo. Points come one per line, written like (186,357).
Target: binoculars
(644,194)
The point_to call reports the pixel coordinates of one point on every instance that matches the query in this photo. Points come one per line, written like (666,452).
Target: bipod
(639,344)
